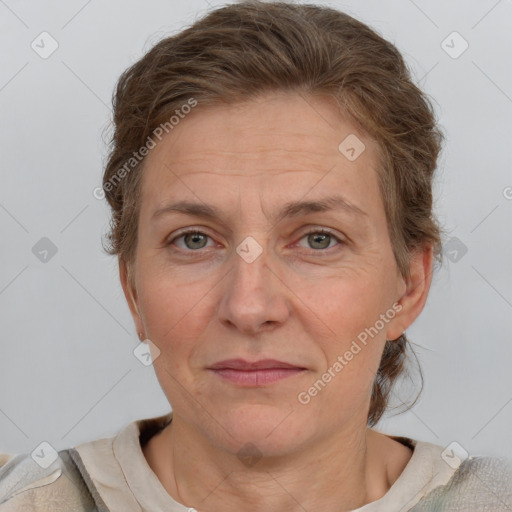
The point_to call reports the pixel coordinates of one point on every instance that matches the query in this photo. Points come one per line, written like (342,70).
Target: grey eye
(195,240)
(319,240)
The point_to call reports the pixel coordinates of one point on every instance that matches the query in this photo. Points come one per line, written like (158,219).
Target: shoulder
(478,484)
(27,486)
(491,473)
(484,472)
(84,477)
(442,479)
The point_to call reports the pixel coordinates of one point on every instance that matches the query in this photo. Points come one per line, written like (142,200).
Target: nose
(254,297)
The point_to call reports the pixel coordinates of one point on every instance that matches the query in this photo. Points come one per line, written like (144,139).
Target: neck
(338,473)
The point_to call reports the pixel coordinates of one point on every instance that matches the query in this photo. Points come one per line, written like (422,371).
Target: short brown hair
(245,49)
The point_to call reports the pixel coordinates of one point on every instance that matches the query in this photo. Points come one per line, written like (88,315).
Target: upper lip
(242,364)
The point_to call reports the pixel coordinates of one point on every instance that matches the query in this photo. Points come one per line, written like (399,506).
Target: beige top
(126,482)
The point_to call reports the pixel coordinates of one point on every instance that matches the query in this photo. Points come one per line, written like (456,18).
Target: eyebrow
(289,210)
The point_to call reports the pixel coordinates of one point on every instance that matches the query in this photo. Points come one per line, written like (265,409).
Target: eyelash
(313,231)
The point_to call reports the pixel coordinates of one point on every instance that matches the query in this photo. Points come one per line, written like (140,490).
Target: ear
(416,288)
(130,294)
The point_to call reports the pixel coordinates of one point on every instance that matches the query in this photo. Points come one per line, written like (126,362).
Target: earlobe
(417,286)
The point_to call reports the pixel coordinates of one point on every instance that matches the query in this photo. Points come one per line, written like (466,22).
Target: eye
(319,239)
(193,240)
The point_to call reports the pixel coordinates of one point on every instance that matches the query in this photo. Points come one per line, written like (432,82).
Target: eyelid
(326,231)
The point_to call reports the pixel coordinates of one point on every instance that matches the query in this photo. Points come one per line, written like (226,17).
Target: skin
(303,301)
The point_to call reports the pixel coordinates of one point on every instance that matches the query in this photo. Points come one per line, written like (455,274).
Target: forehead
(277,145)
(306,124)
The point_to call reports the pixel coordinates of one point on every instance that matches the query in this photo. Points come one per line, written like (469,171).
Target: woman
(270,181)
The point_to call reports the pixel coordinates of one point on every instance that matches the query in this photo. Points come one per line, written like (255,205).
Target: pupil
(196,238)
(320,237)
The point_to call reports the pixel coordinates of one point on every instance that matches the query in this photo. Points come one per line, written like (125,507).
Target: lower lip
(257,377)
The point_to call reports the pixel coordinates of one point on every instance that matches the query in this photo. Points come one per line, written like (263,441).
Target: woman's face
(291,261)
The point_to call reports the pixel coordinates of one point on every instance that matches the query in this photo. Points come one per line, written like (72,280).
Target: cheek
(355,313)
(173,310)
(175,316)
(346,305)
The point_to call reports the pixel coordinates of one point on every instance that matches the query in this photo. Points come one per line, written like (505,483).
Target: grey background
(67,369)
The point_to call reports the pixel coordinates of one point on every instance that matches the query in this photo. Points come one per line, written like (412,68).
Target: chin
(271,429)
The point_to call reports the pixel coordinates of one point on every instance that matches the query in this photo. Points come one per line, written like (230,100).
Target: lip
(262,364)
(256,373)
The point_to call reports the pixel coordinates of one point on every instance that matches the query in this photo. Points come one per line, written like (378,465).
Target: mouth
(257,373)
